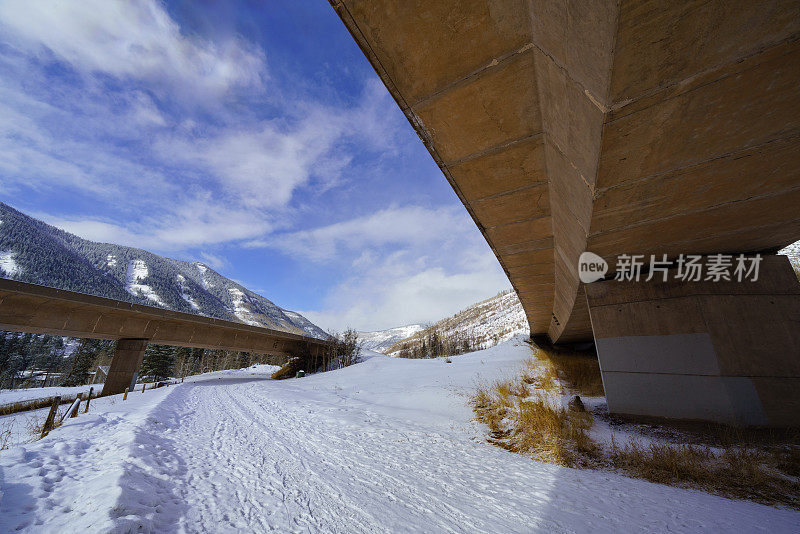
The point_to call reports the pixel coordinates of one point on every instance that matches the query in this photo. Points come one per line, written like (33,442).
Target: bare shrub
(341,351)
(5,435)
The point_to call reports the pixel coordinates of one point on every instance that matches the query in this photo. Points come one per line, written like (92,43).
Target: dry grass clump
(533,424)
(738,471)
(36,423)
(541,375)
(579,370)
(523,418)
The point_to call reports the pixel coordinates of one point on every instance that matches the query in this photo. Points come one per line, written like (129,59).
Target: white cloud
(384,298)
(130,39)
(403,226)
(193,222)
(214,261)
(134,148)
(261,165)
(405,265)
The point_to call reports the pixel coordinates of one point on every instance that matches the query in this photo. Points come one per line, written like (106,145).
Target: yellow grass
(524,416)
(531,423)
(577,370)
(36,423)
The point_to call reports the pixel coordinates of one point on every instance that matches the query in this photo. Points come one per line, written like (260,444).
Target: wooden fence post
(51,417)
(125,395)
(88,399)
(144,384)
(77,406)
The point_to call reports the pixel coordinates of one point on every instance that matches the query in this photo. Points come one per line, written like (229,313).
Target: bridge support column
(727,352)
(124,366)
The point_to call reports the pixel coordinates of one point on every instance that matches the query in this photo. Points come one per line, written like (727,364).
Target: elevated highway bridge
(652,127)
(45,310)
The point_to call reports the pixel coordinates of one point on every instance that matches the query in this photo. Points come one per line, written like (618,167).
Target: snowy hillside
(381,340)
(385,446)
(32,251)
(484,324)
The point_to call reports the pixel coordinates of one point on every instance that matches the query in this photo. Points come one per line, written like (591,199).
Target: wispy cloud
(406,264)
(398,226)
(214,261)
(130,39)
(193,223)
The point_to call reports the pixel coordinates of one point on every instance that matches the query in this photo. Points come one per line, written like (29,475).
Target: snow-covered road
(384,446)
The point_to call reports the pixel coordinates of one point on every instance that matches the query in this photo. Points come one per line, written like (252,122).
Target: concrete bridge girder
(618,127)
(44,310)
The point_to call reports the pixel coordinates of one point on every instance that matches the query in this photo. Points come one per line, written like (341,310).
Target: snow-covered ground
(185,293)
(388,445)
(202,269)
(793,252)
(241,308)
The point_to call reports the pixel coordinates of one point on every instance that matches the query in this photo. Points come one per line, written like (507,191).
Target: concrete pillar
(124,366)
(727,352)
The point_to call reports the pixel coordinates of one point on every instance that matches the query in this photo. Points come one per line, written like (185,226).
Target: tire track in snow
(255,455)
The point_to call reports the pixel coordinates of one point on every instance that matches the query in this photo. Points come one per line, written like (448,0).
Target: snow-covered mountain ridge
(484,324)
(380,340)
(35,252)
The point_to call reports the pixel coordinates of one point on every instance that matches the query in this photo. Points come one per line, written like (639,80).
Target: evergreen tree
(158,363)
(49,356)
(82,362)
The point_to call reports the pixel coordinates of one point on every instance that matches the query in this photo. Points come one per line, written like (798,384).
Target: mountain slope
(35,252)
(481,325)
(380,340)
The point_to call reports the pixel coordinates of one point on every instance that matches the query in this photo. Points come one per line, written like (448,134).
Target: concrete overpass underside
(618,127)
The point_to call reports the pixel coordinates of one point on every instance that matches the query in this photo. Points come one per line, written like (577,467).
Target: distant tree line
(433,342)
(28,360)
(37,360)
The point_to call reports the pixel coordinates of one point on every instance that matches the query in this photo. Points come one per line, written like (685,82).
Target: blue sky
(252,136)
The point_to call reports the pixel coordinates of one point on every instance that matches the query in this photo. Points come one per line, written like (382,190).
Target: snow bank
(8,396)
(71,479)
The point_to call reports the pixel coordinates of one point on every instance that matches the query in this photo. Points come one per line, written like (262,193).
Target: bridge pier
(125,366)
(727,352)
